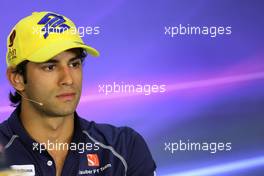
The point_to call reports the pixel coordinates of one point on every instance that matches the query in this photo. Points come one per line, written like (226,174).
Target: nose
(65,76)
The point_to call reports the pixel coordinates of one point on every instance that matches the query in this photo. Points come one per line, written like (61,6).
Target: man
(45,135)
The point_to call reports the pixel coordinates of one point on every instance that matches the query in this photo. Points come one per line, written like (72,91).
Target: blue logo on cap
(53,23)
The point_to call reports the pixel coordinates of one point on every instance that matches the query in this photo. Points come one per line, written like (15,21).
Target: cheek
(78,78)
(38,80)
(40,85)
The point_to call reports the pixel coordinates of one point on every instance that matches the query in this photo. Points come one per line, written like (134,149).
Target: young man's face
(56,83)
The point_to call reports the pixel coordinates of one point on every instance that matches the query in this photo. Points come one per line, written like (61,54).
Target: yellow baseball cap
(41,36)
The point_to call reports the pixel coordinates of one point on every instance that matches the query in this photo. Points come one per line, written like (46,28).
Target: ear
(15,79)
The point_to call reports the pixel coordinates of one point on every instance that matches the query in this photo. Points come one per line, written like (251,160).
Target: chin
(66,111)
(60,111)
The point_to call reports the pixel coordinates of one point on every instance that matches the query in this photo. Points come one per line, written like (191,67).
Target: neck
(43,128)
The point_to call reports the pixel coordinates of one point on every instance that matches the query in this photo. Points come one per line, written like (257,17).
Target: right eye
(48,67)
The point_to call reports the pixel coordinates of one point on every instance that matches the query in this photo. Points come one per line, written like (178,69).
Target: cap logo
(53,23)
(11,54)
(12,38)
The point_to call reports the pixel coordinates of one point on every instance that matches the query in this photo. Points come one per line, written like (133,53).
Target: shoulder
(109,133)
(5,132)
(125,141)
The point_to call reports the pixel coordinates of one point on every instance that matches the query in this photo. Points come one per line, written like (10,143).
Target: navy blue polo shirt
(95,150)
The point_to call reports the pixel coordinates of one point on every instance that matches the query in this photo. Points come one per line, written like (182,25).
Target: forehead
(65,56)
(61,58)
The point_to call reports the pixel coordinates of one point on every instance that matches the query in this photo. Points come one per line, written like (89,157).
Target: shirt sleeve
(140,161)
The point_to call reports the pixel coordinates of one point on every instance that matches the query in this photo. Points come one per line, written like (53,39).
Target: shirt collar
(18,129)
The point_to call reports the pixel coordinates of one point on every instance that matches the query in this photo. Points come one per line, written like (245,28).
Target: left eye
(75,64)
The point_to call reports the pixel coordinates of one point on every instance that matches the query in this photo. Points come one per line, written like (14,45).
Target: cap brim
(53,49)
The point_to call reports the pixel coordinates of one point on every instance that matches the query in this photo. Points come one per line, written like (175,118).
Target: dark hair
(21,69)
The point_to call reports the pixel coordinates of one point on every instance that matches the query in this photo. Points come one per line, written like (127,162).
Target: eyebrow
(57,61)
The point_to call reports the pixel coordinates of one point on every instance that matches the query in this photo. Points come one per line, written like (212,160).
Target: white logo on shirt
(26,170)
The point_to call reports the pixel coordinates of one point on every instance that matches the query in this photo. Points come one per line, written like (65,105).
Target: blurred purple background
(214,85)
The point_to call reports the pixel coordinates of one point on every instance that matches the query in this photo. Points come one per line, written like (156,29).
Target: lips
(66,96)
